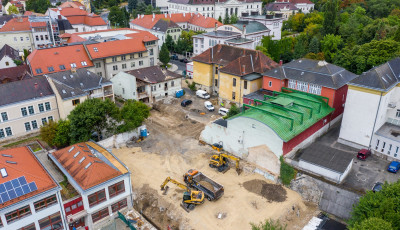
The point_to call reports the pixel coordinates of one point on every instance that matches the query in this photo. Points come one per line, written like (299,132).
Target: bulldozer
(190,198)
(221,163)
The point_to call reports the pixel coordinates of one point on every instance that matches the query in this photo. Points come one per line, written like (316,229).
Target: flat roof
(283,101)
(389,131)
(329,158)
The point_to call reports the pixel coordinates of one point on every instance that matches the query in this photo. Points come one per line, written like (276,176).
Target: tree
(330,16)
(63,138)
(38,6)
(330,45)
(169,42)
(132,5)
(226,19)
(300,47)
(372,206)
(233,111)
(164,55)
(48,132)
(314,45)
(12,10)
(92,7)
(234,19)
(373,223)
(116,16)
(93,115)
(220,19)
(141,7)
(133,114)
(268,225)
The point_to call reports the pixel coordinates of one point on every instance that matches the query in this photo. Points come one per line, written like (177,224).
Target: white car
(223,111)
(202,94)
(209,106)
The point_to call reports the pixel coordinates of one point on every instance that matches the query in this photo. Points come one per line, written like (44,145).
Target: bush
(192,86)
(287,172)
(233,111)
(268,225)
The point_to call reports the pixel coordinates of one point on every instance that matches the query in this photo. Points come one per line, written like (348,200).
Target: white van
(223,111)
(202,94)
(209,106)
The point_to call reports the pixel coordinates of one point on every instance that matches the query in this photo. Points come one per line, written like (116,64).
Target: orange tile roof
(195,19)
(144,36)
(27,165)
(54,57)
(38,24)
(86,176)
(78,16)
(16,24)
(73,4)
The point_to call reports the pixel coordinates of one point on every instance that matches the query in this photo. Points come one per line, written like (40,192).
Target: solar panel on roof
(22,180)
(19,191)
(5,197)
(26,189)
(15,188)
(15,183)
(32,186)
(12,194)
(8,185)
(2,188)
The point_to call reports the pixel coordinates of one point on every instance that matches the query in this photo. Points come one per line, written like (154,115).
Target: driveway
(181,66)
(363,174)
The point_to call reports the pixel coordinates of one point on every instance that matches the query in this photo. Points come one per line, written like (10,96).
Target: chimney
(243,69)
(165,15)
(73,70)
(280,63)
(36,85)
(154,16)
(184,15)
(216,26)
(244,31)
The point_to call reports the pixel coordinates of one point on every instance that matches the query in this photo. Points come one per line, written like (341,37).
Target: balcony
(142,95)
(108,93)
(96,95)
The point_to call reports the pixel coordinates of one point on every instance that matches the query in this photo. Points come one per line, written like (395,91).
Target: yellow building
(230,72)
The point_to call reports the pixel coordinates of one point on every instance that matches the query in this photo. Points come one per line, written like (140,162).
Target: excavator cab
(221,163)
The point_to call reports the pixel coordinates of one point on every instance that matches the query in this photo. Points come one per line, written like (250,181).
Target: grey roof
(5,18)
(163,25)
(389,131)
(251,26)
(153,74)
(239,40)
(221,122)
(277,6)
(70,85)
(259,94)
(64,24)
(252,76)
(382,78)
(314,72)
(221,33)
(9,51)
(28,89)
(329,158)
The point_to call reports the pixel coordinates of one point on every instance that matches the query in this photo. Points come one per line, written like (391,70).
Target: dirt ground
(171,150)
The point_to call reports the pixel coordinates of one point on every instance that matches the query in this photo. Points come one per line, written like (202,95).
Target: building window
(37,38)
(398,113)
(83,63)
(132,64)
(123,58)
(114,59)
(31,110)
(50,118)
(22,39)
(216,83)
(131,56)
(390,148)
(97,198)
(46,202)
(8,131)
(140,63)
(119,205)
(216,69)
(51,69)
(75,102)
(39,71)
(98,64)
(123,66)
(41,107)
(151,51)
(44,121)
(270,83)
(316,89)
(7,63)
(245,85)
(234,82)
(377,145)
(28,227)
(34,125)
(115,67)
(47,105)
(27,126)
(2,135)
(116,189)
(140,55)
(233,95)
(100,215)
(172,83)
(383,146)
(292,84)
(18,214)
(4,116)
(52,222)
(73,65)
(62,67)
(100,74)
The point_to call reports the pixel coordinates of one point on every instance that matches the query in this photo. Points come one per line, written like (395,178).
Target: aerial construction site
(173,150)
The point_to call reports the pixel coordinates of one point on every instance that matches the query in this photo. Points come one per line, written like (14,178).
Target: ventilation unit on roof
(11,162)
(3,172)
(64,77)
(88,165)
(81,84)
(71,76)
(64,91)
(72,148)
(82,159)
(302,73)
(81,146)
(6,155)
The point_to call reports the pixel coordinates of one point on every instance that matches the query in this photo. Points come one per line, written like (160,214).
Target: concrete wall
(328,174)
(7,62)
(119,139)
(241,134)
(124,85)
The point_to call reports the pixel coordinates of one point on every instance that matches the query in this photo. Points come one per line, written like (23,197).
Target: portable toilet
(143,132)
(179,93)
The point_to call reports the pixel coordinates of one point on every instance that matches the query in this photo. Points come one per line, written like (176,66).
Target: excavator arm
(169,179)
(236,159)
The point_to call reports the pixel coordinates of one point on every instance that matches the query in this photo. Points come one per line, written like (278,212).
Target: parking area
(364,174)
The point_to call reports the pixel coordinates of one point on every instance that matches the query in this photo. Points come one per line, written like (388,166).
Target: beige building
(17,34)
(74,87)
(24,113)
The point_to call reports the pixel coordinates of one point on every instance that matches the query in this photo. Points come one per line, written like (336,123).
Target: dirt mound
(271,192)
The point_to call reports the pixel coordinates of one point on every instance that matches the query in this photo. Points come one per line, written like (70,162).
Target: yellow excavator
(190,198)
(221,163)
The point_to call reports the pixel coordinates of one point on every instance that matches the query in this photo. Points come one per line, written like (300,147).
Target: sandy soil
(171,150)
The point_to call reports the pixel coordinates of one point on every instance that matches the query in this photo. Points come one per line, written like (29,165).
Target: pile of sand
(272,192)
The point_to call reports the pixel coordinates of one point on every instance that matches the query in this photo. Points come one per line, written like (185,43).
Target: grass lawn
(22,141)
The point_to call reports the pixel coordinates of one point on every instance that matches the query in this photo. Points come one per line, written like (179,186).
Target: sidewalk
(173,67)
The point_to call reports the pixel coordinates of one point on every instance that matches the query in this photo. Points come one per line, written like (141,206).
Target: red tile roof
(144,36)
(38,24)
(27,165)
(72,4)
(78,16)
(114,48)
(88,172)
(195,19)
(54,57)
(16,24)
(14,73)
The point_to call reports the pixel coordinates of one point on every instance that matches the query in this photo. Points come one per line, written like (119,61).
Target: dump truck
(197,180)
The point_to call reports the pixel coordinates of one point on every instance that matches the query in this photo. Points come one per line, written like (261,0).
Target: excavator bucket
(239,171)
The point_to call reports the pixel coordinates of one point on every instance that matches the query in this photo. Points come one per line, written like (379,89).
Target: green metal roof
(288,122)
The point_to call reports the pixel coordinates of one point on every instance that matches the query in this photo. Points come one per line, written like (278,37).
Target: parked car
(174,57)
(394,166)
(209,106)
(185,60)
(202,94)
(363,154)
(186,102)
(223,111)
(377,187)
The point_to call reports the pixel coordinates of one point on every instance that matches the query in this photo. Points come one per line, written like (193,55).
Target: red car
(363,154)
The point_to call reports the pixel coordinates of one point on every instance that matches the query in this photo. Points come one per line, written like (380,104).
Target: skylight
(95,49)
(83,158)
(88,165)
(3,172)
(72,148)
(84,63)
(76,154)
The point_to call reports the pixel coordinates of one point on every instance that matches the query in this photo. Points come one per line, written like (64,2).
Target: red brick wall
(276,85)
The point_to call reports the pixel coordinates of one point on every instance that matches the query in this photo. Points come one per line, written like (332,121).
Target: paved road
(181,66)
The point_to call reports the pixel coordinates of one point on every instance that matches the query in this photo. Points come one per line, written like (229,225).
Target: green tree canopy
(132,4)
(63,138)
(226,19)
(330,16)
(12,10)
(220,19)
(133,114)
(116,16)
(384,205)
(38,6)
(314,45)
(164,54)
(169,42)
(234,19)
(330,44)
